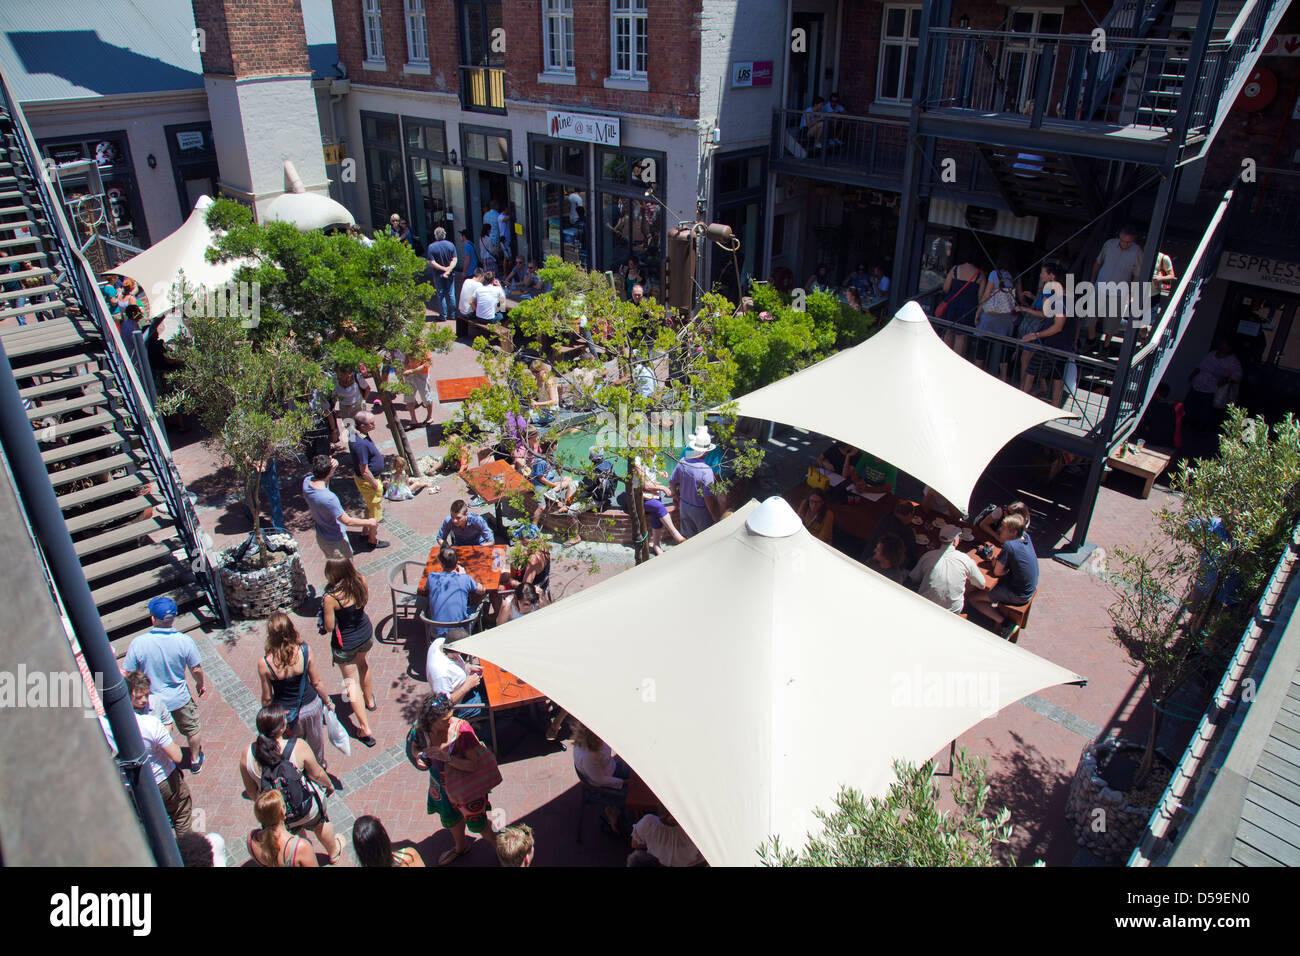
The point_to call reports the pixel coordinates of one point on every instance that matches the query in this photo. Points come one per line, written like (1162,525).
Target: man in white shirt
(465,305)
(163,752)
(944,572)
(487,299)
(662,841)
(1120,260)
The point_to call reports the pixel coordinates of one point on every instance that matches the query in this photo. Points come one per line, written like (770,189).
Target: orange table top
(477,560)
(496,481)
(505,690)
(458,389)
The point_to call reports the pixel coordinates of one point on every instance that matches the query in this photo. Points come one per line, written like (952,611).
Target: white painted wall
(144,119)
(734,31)
(257,124)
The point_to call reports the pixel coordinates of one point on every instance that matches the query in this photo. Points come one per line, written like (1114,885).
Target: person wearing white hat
(692,485)
(944,572)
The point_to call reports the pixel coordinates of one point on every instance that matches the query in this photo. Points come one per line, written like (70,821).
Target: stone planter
(258,593)
(1104,822)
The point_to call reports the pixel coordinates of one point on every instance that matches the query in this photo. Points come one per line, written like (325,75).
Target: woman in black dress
(351,637)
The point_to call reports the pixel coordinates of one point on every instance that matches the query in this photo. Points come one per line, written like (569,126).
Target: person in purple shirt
(691,484)
(462,527)
(1218,369)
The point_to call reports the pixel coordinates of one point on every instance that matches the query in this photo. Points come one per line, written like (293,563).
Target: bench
(492,331)
(1019,614)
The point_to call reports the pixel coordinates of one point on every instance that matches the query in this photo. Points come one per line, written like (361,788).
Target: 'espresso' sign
(584,127)
(1260,270)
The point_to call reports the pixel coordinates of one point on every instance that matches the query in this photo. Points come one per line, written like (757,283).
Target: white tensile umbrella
(308,211)
(158,269)
(750,673)
(908,399)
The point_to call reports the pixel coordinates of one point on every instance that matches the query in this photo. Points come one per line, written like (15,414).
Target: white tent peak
(774,518)
(911,312)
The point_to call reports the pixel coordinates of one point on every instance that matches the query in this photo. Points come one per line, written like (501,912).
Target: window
(557,29)
(1021,57)
(898,49)
(482,34)
(628,39)
(417,50)
(373,22)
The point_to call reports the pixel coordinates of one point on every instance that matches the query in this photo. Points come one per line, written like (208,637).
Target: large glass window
(1020,58)
(560,199)
(628,38)
(121,215)
(482,34)
(373,22)
(628,225)
(426,155)
(899,41)
(738,202)
(557,32)
(417,48)
(383,155)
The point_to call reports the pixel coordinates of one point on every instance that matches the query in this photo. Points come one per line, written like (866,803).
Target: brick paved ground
(1032,746)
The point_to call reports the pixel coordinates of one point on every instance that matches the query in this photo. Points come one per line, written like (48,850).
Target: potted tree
(249,398)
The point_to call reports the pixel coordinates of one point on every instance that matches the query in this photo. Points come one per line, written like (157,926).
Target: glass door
(1020,59)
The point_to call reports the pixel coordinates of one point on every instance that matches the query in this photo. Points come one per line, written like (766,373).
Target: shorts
(656,512)
(313,818)
(1001,594)
(187,719)
(373,497)
(335,549)
(421,385)
(342,656)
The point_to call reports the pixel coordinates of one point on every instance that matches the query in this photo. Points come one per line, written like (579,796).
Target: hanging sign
(584,127)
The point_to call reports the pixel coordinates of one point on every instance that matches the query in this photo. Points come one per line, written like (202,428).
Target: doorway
(806,63)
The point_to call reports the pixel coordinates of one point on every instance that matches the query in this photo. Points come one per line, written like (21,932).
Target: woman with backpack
(276,761)
(290,682)
(999,299)
(462,773)
(351,637)
(274,845)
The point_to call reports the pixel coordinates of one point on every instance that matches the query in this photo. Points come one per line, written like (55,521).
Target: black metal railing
(1228,60)
(483,89)
(116,357)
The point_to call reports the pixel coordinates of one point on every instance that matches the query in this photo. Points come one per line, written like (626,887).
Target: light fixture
(152,161)
(519,170)
(451,155)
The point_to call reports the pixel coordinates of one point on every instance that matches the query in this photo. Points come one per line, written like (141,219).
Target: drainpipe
(38,498)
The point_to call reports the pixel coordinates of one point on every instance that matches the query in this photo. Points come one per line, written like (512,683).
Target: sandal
(370,706)
(450,856)
(369,740)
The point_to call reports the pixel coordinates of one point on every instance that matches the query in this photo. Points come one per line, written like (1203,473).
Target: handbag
(942,307)
(816,479)
(465,787)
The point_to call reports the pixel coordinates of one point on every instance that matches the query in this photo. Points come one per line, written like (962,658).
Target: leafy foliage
(250,399)
(905,827)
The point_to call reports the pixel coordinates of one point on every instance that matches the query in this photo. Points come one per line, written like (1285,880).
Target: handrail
(152,437)
(1065,38)
(1239,24)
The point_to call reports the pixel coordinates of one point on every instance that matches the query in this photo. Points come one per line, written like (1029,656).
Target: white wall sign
(584,127)
(1260,270)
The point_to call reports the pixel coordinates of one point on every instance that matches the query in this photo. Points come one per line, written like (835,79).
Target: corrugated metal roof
(86,48)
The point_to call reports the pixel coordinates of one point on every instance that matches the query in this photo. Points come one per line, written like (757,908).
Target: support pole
(38,498)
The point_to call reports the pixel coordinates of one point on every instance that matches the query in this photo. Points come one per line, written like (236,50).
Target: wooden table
(495,482)
(856,517)
(458,389)
(477,560)
(1146,463)
(986,564)
(503,690)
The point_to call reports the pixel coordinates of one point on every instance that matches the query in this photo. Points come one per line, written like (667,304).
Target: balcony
(483,89)
(869,151)
(1145,92)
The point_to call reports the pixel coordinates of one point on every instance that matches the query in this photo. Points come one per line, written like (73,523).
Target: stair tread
(183,596)
(127,532)
(76,425)
(101,466)
(47,306)
(27,293)
(54,365)
(62,385)
(86,447)
(136,584)
(72,404)
(105,489)
(130,508)
(136,557)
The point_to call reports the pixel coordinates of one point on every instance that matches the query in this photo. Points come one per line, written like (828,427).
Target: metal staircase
(132,525)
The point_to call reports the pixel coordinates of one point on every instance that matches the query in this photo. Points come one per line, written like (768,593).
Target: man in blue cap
(163,654)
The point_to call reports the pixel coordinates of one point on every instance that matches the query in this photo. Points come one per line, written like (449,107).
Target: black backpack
(287,779)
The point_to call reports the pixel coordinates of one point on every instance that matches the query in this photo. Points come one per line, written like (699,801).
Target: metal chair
(470,624)
(404,592)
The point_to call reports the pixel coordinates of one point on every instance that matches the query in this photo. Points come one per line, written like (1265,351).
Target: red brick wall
(252,37)
(673,54)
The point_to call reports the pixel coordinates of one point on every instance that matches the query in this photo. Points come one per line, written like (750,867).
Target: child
(515,845)
(399,489)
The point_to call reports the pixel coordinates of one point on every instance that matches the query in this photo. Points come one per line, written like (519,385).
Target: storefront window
(121,215)
(383,156)
(426,155)
(562,221)
(630,225)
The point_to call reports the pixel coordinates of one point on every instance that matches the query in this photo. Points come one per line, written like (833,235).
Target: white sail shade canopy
(908,399)
(158,269)
(750,673)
